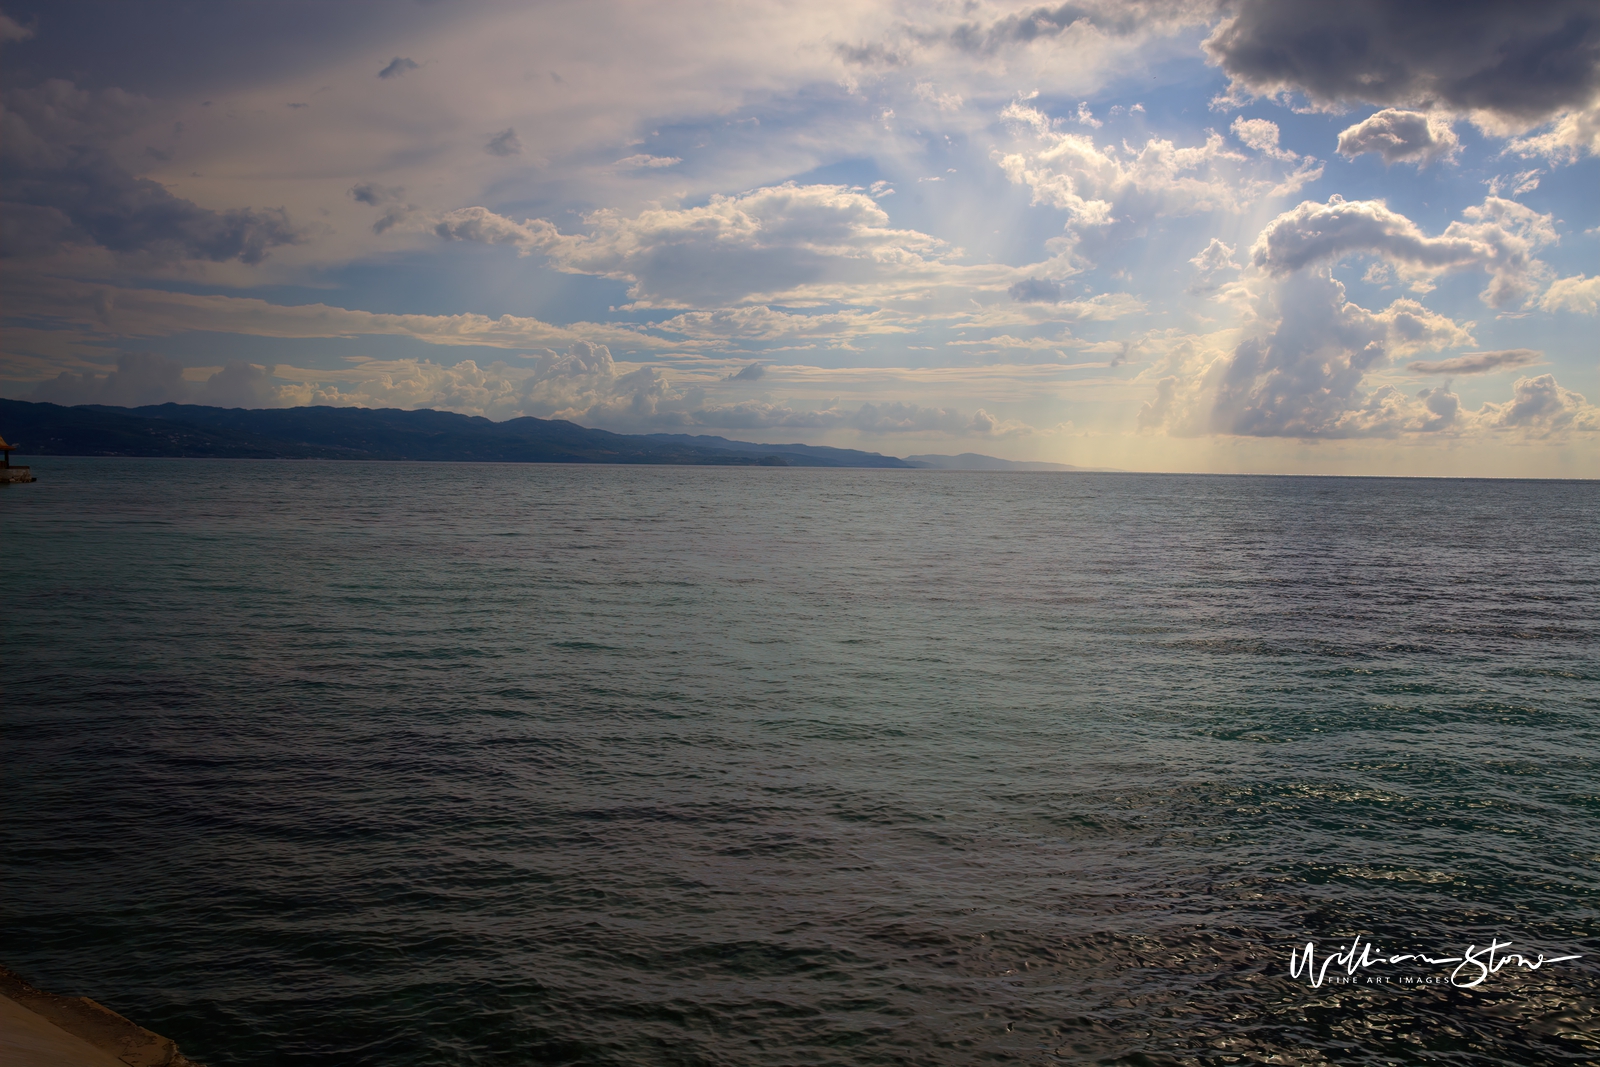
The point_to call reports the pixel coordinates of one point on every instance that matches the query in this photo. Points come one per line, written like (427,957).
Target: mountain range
(392,434)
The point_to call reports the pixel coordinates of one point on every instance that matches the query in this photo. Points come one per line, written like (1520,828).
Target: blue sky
(1356,238)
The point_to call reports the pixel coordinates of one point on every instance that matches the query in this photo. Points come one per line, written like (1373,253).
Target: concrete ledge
(29,1040)
(121,1041)
(16,474)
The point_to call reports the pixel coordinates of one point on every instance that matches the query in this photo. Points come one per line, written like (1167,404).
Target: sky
(1176,235)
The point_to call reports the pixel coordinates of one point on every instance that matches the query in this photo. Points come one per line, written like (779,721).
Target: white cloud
(785,244)
(1297,368)
(927,92)
(1261,135)
(1096,184)
(1401,137)
(1564,140)
(762,323)
(1211,264)
(585,385)
(896,417)
(1514,184)
(1540,407)
(648,162)
(1498,236)
(134,313)
(1579,294)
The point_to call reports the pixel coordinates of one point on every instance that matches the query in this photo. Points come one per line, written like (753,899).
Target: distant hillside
(797,455)
(972,461)
(392,434)
(383,434)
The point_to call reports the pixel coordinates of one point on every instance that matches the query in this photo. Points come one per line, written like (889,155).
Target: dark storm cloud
(1036,291)
(61,188)
(397,66)
(1521,61)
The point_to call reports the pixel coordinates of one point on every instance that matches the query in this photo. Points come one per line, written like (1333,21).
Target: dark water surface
(346,764)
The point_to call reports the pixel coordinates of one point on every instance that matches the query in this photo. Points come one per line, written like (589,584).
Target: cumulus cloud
(1498,236)
(1211,264)
(240,385)
(483,226)
(504,143)
(1401,137)
(898,417)
(585,385)
(1541,407)
(140,378)
(63,188)
(1524,62)
(1300,368)
(790,244)
(1262,135)
(752,373)
(1096,184)
(573,384)
(396,67)
(1580,294)
(1478,362)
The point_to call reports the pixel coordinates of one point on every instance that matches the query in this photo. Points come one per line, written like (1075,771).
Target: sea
(320,763)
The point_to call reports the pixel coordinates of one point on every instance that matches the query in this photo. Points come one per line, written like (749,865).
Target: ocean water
(343,764)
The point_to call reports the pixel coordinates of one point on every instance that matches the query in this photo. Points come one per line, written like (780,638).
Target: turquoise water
(322,763)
